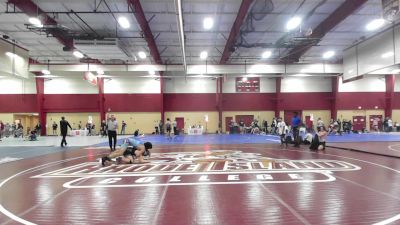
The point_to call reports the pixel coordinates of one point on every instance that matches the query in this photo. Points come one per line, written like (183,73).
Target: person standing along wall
(123,127)
(64,130)
(296,122)
(174,124)
(112,126)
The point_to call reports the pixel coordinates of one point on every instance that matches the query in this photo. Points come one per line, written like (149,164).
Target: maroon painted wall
(71,103)
(132,102)
(15,103)
(306,101)
(367,100)
(190,102)
(396,100)
(248,101)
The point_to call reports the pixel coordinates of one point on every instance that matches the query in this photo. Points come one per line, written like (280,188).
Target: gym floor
(244,182)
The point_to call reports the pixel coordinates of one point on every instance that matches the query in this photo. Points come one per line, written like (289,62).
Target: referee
(112,127)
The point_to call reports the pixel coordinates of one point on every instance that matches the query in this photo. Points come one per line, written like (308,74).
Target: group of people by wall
(16,130)
(167,128)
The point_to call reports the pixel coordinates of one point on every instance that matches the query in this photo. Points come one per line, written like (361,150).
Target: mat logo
(200,168)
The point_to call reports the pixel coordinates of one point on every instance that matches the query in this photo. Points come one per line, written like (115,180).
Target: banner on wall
(90,77)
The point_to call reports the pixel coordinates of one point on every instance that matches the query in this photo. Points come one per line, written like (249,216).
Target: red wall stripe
(190,102)
(306,101)
(133,102)
(396,100)
(71,103)
(248,101)
(17,103)
(14,103)
(367,100)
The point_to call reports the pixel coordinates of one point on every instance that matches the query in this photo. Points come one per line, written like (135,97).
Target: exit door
(371,122)
(359,122)
(180,123)
(228,120)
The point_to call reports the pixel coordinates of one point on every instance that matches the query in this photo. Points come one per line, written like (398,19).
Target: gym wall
(325,115)
(348,114)
(258,115)
(73,119)
(144,121)
(196,118)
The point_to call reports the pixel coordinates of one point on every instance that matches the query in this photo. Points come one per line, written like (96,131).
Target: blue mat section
(205,139)
(366,137)
(256,139)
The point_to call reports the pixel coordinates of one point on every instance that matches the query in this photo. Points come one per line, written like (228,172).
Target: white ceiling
(266,30)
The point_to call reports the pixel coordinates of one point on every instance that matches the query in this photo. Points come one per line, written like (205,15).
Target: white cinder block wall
(366,84)
(306,84)
(69,85)
(137,85)
(16,85)
(190,85)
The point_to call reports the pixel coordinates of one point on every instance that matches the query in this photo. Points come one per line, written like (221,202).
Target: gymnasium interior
(182,112)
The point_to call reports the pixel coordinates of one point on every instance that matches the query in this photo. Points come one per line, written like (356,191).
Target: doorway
(180,124)
(371,122)
(28,121)
(228,120)
(359,122)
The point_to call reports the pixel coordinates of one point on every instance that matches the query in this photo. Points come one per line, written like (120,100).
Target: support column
(40,104)
(220,82)
(278,96)
(390,80)
(162,111)
(334,95)
(100,84)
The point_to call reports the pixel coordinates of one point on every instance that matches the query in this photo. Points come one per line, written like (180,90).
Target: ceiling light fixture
(301,75)
(46,72)
(100,72)
(11,55)
(124,22)
(387,54)
(142,55)
(293,23)
(375,24)
(78,54)
(203,55)
(35,21)
(266,54)
(208,23)
(152,72)
(328,54)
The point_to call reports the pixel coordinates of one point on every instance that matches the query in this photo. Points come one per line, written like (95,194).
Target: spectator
(1,129)
(390,125)
(103,128)
(174,124)
(55,126)
(38,129)
(123,127)
(296,122)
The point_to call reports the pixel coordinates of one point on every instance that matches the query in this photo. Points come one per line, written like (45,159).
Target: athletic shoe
(104,159)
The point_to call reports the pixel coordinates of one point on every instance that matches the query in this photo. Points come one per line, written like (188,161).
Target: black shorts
(168,129)
(130,151)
